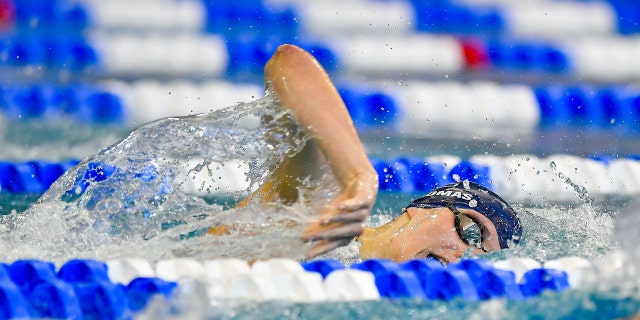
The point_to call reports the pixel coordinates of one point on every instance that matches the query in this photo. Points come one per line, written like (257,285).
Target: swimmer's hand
(304,88)
(343,219)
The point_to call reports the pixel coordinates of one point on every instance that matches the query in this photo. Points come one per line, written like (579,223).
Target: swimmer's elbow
(285,52)
(288,50)
(286,59)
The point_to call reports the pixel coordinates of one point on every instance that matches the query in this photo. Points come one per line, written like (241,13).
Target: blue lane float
(323,267)
(369,108)
(244,25)
(35,177)
(450,17)
(140,291)
(82,288)
(221,17)
(608,107)
(31,177)
(414,175)
(52,15)
(78,55)
(518,55)
(248,55)
(85,104)
(400,175)
(536,281)
(586,106)
(70,53)
(242,17)
(628,12)
(489,281)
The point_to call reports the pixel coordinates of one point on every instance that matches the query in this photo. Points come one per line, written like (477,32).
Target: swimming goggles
(468,230)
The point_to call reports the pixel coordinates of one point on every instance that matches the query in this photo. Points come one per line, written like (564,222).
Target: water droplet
(112,206)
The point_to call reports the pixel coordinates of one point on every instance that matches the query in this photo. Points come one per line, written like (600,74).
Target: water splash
(626,231)
(580,191)
(130,198)
(608,291)
(58,140)
(557,231)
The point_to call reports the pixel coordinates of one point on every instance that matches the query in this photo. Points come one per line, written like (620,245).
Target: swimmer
(444,224)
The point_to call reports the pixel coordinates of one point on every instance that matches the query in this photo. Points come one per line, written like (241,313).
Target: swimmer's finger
(345,212)
(345,217)
(343,231)
(326,246)
(353,204)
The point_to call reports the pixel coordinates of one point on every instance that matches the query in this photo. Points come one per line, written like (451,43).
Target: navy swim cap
(470,195)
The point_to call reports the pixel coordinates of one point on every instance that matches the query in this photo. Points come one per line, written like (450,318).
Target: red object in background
(475,54)
(7,14)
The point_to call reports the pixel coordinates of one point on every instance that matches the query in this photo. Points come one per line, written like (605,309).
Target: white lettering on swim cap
(450,193)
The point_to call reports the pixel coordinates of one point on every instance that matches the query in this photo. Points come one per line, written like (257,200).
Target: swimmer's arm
(283,183)
(303,87)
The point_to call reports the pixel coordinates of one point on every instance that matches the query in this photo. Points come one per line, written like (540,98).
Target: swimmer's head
(470,195)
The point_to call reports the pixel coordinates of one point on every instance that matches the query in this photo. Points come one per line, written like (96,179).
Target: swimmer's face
(421,233)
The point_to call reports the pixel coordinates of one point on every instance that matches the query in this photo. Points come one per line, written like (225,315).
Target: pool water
(500,78)
(552,230)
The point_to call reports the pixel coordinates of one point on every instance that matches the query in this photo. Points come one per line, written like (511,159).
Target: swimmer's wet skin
(444,224)
(302,86)
(440,225)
